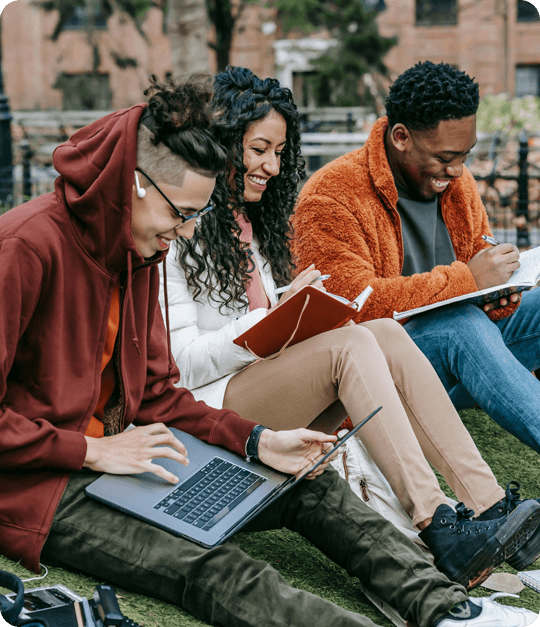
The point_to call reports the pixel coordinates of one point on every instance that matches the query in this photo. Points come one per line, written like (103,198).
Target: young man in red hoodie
(83,355)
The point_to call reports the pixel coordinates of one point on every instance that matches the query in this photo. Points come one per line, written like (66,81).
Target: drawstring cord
(278,354)
(169,349)
(129,297)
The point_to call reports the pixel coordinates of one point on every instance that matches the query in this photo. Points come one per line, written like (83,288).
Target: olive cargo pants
(224,586)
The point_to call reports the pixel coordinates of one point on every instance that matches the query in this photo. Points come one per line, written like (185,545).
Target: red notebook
(306,314)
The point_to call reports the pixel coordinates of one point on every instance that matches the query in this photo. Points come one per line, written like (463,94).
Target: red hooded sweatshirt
(60,258)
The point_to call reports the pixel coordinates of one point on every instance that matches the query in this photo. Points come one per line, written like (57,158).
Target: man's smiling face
(426,161)
(154,224)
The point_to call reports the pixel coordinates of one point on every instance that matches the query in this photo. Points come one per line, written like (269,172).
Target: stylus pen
(490,240)
(323,277)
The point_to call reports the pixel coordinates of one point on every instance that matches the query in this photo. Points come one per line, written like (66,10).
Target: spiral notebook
(531,578)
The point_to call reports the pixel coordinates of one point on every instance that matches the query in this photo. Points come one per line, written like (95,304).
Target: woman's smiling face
(264,141)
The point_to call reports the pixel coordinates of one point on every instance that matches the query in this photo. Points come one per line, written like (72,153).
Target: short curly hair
(427,93)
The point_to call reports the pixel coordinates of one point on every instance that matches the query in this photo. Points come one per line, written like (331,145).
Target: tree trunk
(221,16)
(187,27)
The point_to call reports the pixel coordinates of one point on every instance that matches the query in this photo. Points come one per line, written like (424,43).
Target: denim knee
(456,322)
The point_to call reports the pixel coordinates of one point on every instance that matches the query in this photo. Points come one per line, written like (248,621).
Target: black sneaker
(466,550)
(530,550)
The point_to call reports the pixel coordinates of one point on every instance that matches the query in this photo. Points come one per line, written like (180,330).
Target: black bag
(9,609)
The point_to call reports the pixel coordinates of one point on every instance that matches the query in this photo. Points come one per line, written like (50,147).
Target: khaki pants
(353,370)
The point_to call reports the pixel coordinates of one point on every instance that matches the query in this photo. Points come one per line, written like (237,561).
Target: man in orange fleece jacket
(403,214)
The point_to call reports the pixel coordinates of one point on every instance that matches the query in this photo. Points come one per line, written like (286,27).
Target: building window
(436,12)
(526,12)
(375,5)
(80,17)
(88,91)
(528,80)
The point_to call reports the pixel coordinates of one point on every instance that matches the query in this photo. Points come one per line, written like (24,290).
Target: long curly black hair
(215,260)
(426,94)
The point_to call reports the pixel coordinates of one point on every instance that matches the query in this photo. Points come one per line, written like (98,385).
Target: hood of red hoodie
(96,167)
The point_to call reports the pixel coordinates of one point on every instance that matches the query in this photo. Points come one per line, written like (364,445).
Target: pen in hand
(490,240)
(323,277)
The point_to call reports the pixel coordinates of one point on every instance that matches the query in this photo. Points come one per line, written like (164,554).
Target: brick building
(497,41)
(43,74)
(108,67)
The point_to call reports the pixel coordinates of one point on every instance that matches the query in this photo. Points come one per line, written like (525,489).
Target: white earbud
(141,192)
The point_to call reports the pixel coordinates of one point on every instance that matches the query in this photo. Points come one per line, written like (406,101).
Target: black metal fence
(510,188)
(26,180)
(511,191)
(6,154)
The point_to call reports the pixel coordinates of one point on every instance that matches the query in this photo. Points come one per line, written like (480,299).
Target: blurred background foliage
(509,115)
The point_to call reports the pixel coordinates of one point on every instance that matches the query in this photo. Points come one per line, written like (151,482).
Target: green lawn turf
(305,567)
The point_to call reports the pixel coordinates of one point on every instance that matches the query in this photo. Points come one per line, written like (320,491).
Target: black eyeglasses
(211,205)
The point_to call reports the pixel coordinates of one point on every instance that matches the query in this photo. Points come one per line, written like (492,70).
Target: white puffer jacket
(202,336)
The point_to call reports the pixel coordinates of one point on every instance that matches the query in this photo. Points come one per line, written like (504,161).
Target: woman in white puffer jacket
(202,335)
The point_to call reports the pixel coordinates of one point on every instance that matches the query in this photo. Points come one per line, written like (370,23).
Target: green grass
(304,566)
(510,460)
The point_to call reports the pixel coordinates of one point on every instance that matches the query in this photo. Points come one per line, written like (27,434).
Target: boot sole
(528,549)
(504,543)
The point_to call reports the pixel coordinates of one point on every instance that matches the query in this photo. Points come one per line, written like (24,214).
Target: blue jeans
(489,363)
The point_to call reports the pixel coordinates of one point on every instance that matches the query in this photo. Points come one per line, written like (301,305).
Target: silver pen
(490,240)
(323,277)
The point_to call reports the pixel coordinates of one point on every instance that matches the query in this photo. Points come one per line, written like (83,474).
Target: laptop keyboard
(210,494)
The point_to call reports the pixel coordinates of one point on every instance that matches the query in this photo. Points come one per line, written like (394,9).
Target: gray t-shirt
(426,241)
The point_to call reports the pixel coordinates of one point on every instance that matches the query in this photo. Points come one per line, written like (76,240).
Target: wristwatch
(252,444)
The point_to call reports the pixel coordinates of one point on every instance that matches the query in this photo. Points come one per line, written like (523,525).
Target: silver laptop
(218,493)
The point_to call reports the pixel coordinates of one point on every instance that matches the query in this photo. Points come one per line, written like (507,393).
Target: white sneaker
(495,615)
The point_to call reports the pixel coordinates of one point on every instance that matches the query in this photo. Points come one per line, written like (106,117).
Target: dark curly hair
(426,94)
(215,260)
(179,117)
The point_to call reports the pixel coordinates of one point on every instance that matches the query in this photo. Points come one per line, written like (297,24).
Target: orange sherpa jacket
(347,224)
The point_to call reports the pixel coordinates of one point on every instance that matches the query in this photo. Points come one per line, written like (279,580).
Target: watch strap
(252,444)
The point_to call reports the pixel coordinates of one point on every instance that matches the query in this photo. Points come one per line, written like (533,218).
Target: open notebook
(531,578)
(524,278)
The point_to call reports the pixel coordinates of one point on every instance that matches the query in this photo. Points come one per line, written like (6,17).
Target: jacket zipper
(394,213)
(123,420)
(118,359)
(52,520)
(122,397)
